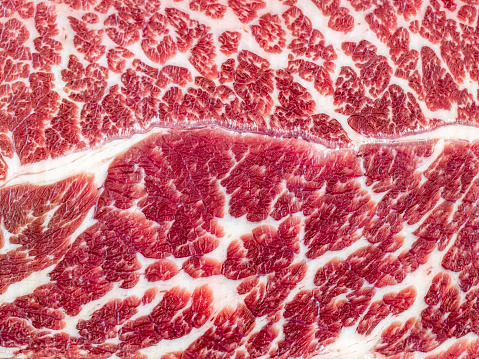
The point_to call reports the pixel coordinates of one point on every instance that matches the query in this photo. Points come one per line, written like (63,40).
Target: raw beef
(186,179)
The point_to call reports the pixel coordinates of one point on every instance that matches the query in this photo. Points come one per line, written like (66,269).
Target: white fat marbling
(350,345)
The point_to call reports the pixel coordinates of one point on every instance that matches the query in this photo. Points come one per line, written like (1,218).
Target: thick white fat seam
(7,352)
(97,160)
(26,285)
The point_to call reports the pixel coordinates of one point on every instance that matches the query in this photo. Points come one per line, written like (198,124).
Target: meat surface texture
(214,179)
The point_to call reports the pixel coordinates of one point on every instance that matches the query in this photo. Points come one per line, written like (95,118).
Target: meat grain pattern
(286,197)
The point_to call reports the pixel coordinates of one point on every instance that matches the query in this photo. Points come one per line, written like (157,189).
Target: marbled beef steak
(215,179)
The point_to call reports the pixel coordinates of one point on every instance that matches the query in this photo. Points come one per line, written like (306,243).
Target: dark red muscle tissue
(214,179)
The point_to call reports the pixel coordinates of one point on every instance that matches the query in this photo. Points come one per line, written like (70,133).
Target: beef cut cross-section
(215,179)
